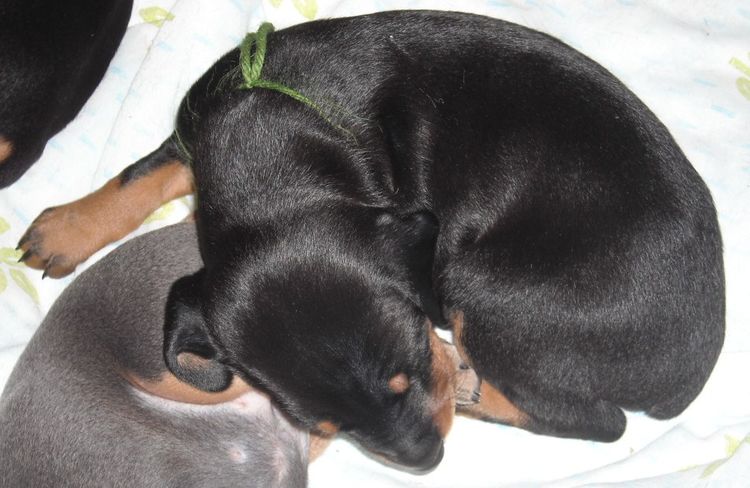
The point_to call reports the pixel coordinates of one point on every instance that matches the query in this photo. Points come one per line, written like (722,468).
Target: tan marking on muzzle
(169,387)
(326,428)
(6,149)
(321,438)
(318,445)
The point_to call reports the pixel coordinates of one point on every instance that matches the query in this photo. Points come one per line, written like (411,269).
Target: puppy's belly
(251,403)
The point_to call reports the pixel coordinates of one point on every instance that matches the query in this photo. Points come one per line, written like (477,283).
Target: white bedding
(690,62)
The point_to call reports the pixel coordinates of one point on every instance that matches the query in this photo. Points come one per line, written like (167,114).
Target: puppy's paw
(58,240)
(467,382)
(468,386)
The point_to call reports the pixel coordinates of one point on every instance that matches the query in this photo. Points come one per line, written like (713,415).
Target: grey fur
(67,418)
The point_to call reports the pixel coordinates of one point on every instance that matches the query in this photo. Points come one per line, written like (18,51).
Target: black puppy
(53,54)
(578,255)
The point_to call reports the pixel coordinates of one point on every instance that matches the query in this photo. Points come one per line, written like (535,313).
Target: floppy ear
(419,232)
(189,351)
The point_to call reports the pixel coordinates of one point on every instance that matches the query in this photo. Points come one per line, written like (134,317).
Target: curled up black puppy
(53,55)
(360,180)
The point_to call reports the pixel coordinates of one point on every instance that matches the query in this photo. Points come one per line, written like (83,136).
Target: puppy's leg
(493,406)
(565,414)
(62,237)
(549,414)
(487,402)
(534,405)
(467,383)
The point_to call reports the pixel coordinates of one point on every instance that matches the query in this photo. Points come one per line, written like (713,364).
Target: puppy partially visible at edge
(52,55)
(70,414)
(444,167)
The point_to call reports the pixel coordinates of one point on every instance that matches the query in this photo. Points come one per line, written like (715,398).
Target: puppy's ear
(417,235)
(189,351)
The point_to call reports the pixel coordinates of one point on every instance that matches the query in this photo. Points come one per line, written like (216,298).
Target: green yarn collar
(251,63)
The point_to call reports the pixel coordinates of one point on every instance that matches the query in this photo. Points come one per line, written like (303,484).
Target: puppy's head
(333,316)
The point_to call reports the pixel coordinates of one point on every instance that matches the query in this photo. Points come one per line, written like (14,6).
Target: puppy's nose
(433,462)
(423,459)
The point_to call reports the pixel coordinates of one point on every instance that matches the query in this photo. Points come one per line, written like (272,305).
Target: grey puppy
(70,414)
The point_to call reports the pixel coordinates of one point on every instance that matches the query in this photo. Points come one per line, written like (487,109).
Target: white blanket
(689,62)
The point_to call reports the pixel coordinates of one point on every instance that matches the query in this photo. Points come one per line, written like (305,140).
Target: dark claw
(25,256)
(23,240)
(463,366)
(50,263)
(476,396)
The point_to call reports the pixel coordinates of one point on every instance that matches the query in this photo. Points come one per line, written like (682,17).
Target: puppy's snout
(421,454)
(427,459)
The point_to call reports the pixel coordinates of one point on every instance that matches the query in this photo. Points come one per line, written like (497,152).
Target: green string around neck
(251,63)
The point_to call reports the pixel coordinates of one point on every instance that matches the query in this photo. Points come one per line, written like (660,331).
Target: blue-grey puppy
(70,414)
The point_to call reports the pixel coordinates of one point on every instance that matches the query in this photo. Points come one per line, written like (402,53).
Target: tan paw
(467,380)
(63,237)
(59,239)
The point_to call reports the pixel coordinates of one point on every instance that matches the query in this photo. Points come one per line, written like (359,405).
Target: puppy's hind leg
(537,400)
(549,414)
(561,415)
(62,237)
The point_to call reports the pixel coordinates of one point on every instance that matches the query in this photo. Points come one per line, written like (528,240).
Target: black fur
(576,238)
(53,54)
